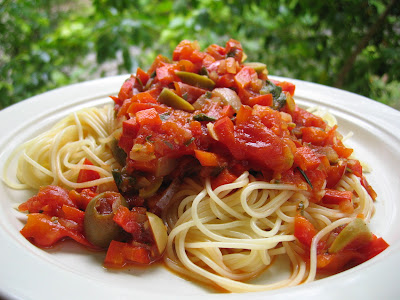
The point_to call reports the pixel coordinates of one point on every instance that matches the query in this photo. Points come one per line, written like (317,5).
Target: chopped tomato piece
(335,197)
(334,263)
(148,117)
(86,175)
(301,117)
(304,231)
(341,150)
(142,75)
(314,135)
(208,159)
(44,231)
(373,248)
(306,158)
(189,92)
(224,177)
(83,198)
(234,49)
(287,87)
(119,254)
(264,100)
(244,77)
(73,214)
(49,200)
(224,128)
(334,174)
(126,90)
(243,114)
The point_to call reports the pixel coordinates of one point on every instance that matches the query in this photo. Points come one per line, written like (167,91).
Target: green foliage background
(351,44)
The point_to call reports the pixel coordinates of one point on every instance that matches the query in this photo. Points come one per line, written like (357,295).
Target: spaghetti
(231,234)
(56,156)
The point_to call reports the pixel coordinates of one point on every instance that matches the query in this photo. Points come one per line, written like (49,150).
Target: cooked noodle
(229,235)
(56,156)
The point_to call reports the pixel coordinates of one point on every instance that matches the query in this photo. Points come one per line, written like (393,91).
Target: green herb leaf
(189,141)
(305,177)
(203,71)
(203,117)
(168,144)
(164,116)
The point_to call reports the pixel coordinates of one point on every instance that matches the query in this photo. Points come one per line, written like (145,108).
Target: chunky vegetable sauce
(204,114)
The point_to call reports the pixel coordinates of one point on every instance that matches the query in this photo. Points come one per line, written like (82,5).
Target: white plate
(69,272)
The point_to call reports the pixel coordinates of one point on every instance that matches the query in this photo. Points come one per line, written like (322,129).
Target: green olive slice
(356,230)
(169,98)
(151,189)
(257,66)
(159,231)
(197,80)
(99,226)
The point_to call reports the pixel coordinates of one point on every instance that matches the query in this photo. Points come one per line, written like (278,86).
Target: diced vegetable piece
(159,231)
(86,175)
(203,118)
(100,229)
(287,87)
(290,104)
(151,189)
(356,230)
(335,197)
(143,153)
(306,158)
(119,254)
(257,66)
(228,97)
(164,166)
(224,177)
(304,231)
(264,100)
(197,80)
(207,159)
(171,99)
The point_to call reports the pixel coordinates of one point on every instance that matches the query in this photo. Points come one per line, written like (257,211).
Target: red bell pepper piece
(243,114)
(306,158)
(148,117)
(44,231)
(142,75)
(287,87)
(334,174)
(224,177)
(86,175)
(208,159)
(314,135)
(304,231)
(336,197)
(48,200)
(244,77)
(119,254)
(264,100)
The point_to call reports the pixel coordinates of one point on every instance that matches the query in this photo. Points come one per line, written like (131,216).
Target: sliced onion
(140,152)
(211,131)
(228,97)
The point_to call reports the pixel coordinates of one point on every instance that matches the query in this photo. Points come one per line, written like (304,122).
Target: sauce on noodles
(209,165)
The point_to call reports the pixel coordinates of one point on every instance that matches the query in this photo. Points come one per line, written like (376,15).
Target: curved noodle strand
(56,156)
(231,234)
